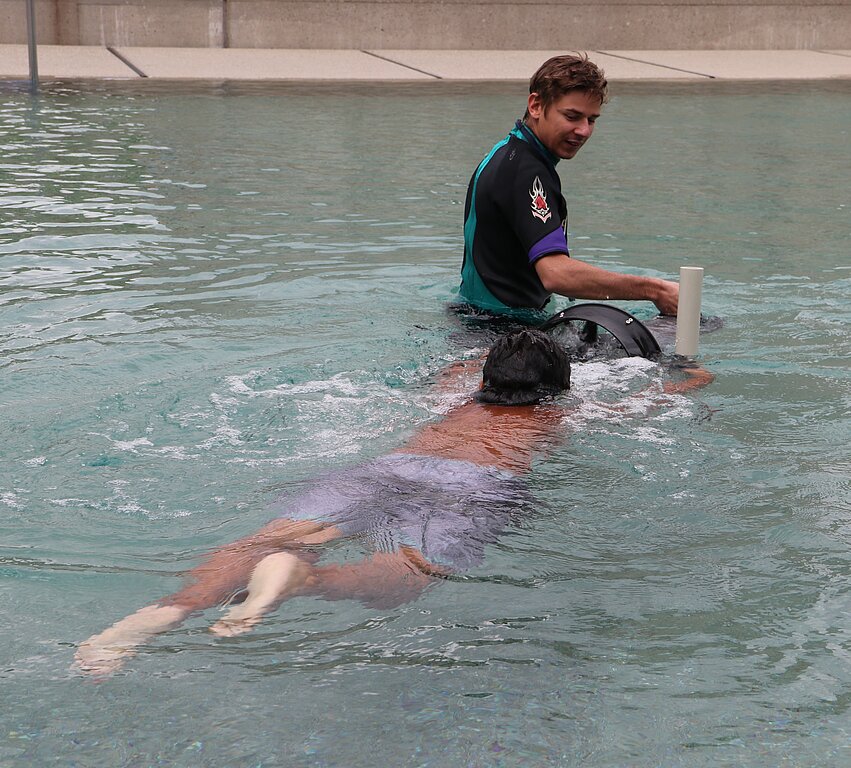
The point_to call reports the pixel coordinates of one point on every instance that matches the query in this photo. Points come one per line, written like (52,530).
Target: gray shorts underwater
(449,510)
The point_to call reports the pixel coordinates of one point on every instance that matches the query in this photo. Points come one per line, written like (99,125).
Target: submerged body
(445,508)
(426,510)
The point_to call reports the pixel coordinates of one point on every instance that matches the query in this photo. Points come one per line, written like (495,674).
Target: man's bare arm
(571,277)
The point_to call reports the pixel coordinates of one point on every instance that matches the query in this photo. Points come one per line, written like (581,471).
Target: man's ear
(535,106)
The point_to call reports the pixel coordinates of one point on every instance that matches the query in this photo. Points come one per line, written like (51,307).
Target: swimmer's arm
(697,375)
(455,375)
(572,277)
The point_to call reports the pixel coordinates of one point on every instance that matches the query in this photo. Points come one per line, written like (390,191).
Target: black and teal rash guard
(515,214)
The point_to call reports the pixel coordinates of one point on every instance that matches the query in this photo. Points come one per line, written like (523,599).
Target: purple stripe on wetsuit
(554,242)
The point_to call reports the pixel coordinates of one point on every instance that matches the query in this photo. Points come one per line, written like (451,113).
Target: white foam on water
(339,416)
(237,385)
(224,434)
(132,445)
(348,414)
(11,499)
(609,393)
(176,452)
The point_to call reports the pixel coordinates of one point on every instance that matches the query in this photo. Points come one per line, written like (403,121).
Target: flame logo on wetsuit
(540,207)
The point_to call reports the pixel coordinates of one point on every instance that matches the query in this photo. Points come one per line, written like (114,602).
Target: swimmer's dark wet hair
(523,368)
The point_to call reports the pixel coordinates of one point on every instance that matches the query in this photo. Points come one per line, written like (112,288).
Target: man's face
(566,124)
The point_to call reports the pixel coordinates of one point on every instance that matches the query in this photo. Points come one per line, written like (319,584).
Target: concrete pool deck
(128,63)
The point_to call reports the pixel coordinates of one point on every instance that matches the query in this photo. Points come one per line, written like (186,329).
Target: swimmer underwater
(425,511)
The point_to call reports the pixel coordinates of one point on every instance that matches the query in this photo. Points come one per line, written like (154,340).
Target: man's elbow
(549,274)
(550,285)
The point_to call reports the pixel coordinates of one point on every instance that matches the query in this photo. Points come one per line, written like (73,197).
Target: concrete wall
(443,24)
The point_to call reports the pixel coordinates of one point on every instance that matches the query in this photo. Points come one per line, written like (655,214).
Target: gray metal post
(32,45)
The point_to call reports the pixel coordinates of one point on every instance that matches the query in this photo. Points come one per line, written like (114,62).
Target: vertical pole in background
(32,45)
(688,311)
(225,35)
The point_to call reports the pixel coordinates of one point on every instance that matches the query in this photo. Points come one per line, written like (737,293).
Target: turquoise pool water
(210,294)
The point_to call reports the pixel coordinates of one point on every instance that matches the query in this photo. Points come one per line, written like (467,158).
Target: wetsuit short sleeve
(534,208)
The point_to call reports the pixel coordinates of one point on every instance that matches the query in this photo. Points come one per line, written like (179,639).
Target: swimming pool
(211,293)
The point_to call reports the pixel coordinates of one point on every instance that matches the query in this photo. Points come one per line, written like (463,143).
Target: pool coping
(385,65)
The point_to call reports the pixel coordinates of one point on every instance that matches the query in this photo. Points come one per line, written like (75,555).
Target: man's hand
(668,297)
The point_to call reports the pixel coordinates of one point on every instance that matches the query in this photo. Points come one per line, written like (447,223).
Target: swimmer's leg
(277,576)
(223,574)
(384,580)
(104,654)
(273,579)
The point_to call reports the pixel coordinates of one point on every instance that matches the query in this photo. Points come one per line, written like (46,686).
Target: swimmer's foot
(234,623)
(273,578)
(98,660)
(102,655)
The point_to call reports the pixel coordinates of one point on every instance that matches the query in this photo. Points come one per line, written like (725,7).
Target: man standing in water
(515,244)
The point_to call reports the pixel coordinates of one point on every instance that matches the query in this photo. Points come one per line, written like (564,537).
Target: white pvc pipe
(688,311)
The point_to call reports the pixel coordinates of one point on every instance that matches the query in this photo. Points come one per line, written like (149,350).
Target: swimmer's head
(523,368)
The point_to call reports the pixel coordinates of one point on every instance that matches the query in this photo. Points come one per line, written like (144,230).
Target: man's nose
(584,128)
